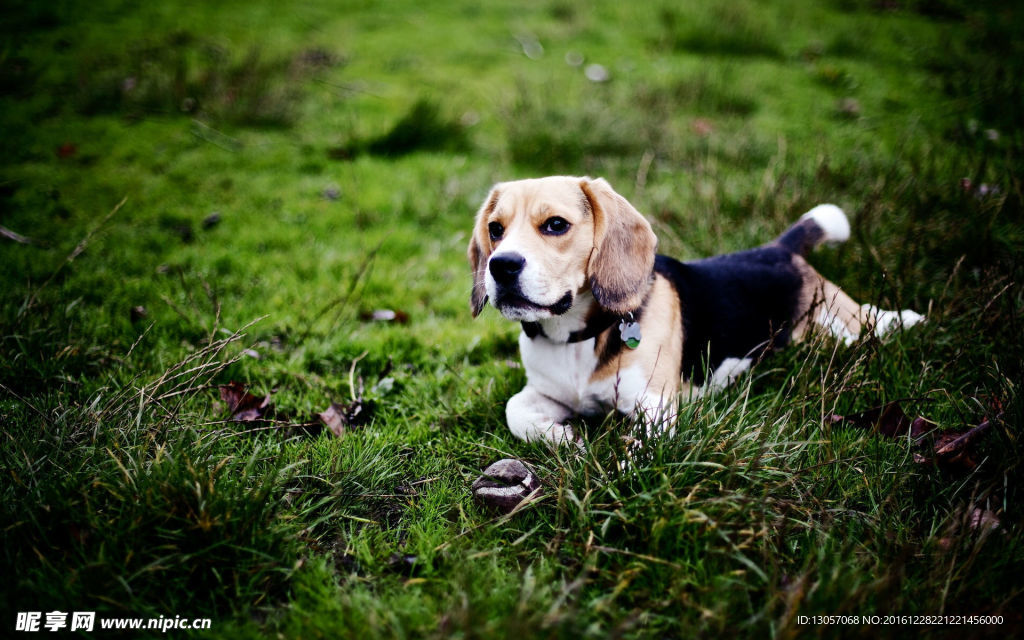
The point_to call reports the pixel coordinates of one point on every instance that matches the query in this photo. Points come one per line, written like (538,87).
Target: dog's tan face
(538,244)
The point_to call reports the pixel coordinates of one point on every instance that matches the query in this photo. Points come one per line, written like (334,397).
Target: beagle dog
(608,324)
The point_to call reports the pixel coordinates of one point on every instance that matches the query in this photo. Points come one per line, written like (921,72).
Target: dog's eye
(554,226)
(496,230)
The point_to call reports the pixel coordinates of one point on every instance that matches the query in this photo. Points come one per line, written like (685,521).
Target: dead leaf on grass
(334,418)
(385,315)
(950,450)
(356,413)
(952,446)
(339,418)
(888,420)
(244,406)
(983,520)
(954,450)
(977,521)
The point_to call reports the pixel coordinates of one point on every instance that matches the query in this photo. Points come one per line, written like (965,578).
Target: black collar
(596,325)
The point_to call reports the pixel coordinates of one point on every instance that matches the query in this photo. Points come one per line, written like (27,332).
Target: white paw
(729,370)
(884,322)
(560,434)
(910,318)
(836,327)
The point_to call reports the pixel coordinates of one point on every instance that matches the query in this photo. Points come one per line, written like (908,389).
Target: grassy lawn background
(221,192)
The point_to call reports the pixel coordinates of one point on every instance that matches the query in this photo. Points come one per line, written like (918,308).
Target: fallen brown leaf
(983,520)
(968,523)
(334,418)
(242,405)
(339,418)
(888,420)
(954,450)
(950,450)
(385,315)
(954,446)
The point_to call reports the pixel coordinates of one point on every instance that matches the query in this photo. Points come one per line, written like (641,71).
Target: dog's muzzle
(505,270)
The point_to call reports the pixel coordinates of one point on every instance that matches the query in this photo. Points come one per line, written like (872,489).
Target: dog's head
(538,244)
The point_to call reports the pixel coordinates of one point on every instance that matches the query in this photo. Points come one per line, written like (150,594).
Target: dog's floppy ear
(624,244)
(479,251)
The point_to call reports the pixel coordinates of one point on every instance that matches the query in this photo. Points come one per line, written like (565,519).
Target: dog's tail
(823,223)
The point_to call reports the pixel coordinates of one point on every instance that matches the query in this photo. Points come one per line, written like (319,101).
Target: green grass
(344,148)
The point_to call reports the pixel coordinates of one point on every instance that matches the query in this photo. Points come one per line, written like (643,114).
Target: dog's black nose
(506,267)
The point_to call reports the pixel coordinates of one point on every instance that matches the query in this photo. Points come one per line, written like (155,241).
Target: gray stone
(505,484)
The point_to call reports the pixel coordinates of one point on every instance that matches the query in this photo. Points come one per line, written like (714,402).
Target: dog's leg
(723,376)
(844,319)
(649,395)
(884,322)
(656,414)
(727,372)
(653,416)
(835,312)
(533,416)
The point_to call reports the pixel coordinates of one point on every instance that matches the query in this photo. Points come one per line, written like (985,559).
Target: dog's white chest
(563,372)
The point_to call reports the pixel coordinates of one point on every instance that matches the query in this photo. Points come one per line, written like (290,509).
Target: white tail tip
(832,221)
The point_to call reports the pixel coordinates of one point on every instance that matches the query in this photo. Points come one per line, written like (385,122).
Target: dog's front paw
(549,431)
(561,434)
(533,417)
